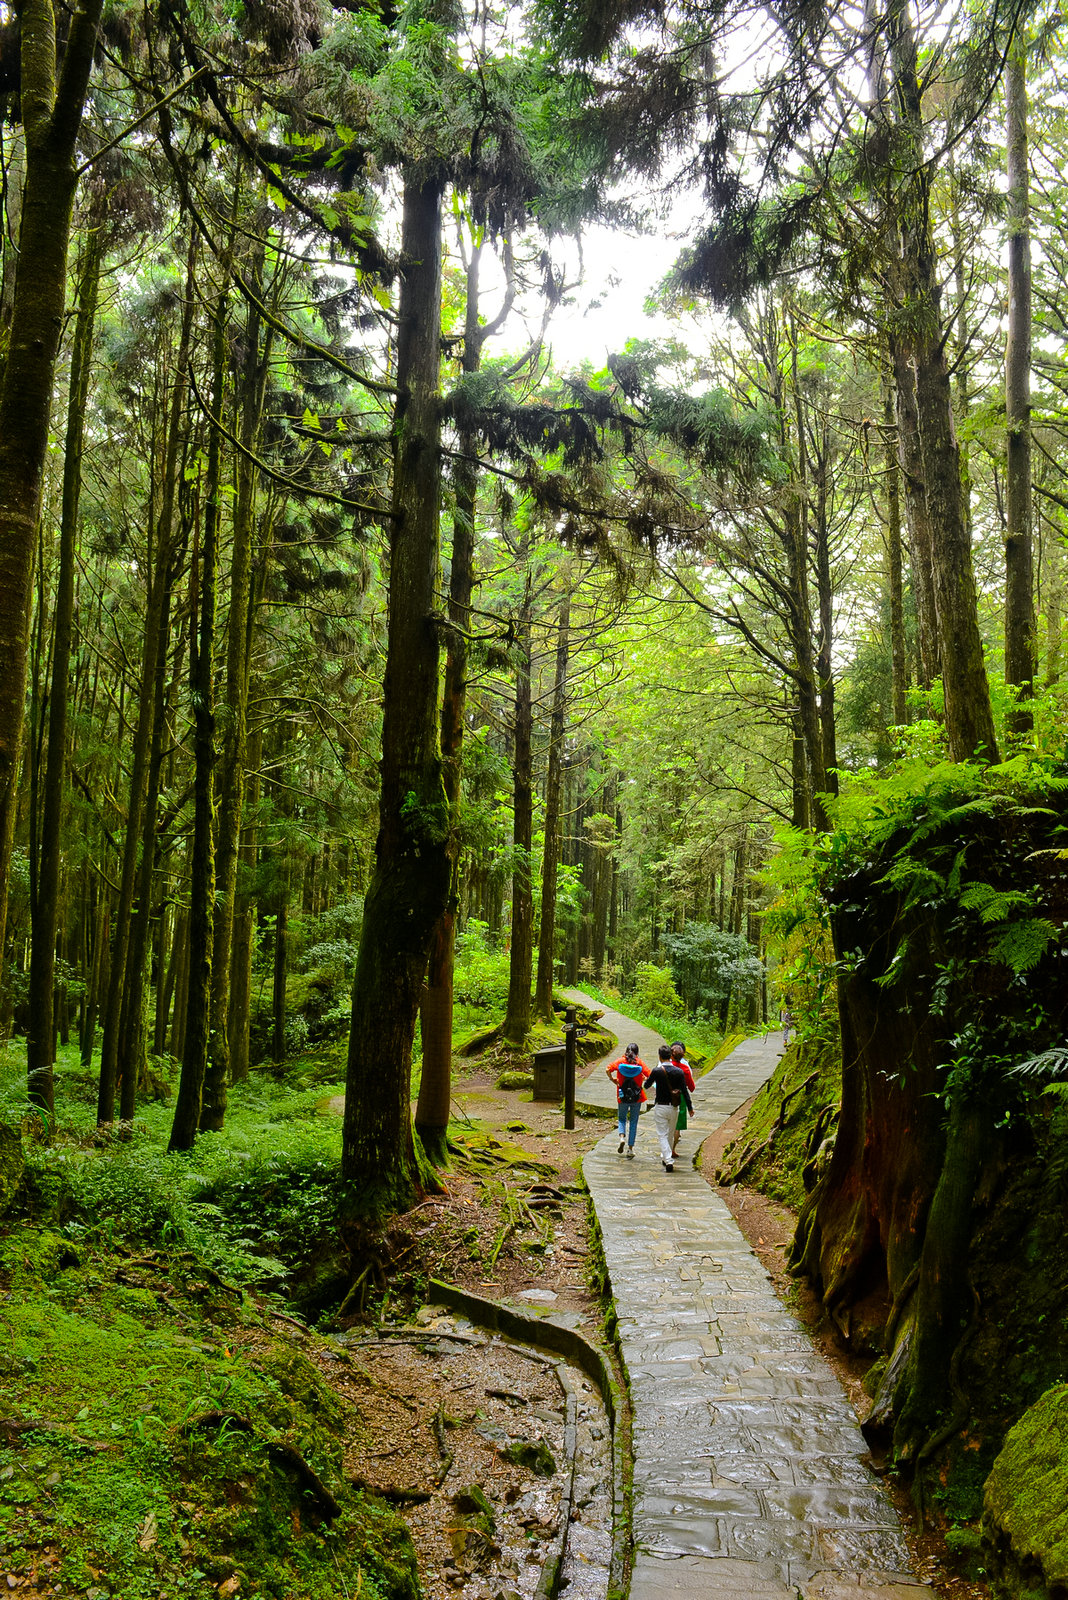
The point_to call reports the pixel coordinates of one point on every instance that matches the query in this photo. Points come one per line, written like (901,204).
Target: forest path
(749,1478)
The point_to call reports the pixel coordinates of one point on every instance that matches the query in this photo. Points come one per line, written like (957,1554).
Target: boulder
(1025,1500)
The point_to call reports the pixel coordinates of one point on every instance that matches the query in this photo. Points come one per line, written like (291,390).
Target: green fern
(1023,944)
(1051,1063)
(915,877)
(994,905)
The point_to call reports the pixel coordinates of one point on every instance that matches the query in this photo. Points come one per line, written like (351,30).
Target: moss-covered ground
(789,1119)
(161,1434)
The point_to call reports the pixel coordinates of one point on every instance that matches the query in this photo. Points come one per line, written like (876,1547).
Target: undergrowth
(158,1436)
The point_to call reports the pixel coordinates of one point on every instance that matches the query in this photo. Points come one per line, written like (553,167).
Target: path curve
(749,1474)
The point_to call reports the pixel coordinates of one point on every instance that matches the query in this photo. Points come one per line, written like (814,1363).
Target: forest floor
(511,1224)
(562,1269)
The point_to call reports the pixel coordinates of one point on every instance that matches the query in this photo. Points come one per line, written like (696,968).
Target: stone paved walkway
(748,1473)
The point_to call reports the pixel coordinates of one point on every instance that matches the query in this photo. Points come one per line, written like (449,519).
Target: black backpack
(630,1088)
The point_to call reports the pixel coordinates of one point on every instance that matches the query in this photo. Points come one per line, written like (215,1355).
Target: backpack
(630,1086)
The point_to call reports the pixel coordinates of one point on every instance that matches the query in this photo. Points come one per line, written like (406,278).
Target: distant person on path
(787,1018)
(669,1082)
(678,1056)
(628,1075)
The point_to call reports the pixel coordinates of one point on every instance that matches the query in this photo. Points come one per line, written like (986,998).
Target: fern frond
(1023,944)
(1047,1064)
(905,873)
(994,905)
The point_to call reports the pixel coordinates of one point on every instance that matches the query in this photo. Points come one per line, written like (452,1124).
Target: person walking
(669,1083)
(628,1075)
(678,1056)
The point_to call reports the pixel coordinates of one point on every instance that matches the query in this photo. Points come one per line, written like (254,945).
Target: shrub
(654,990)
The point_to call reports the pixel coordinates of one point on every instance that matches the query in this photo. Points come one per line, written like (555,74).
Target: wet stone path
(749,1480)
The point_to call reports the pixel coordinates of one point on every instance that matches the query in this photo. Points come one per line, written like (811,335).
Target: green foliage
(148,1450)
(655,991)
(790,1117)
(480,978)
(708,964)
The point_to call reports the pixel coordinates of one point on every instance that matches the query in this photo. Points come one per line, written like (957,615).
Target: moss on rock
(1025,1504)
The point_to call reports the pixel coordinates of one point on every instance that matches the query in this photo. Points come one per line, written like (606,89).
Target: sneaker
(622,1142)
(669,1166)
(630,1153)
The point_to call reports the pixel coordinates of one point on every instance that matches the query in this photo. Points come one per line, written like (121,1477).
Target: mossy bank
(160,1433)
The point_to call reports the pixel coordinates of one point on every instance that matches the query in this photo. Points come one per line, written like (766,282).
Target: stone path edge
(490,1314)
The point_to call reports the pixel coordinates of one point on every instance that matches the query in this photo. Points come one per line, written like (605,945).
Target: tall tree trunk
(235,727)
(825,599)
(917,516)
(98,981)
(202,693)
(435,1082)
(243,941)
(1053,588)
(898,674)
(1020,630)
(181,983)
(969,716)
(130,1059)
(517,1015)
(550,866)
(410,885)
(51,104)
(158,597)
(280,964)
(40,1053)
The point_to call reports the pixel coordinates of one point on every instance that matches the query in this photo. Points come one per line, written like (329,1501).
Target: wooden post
(569,1067)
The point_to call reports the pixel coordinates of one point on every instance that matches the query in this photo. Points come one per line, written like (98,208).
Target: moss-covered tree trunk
(40,1053)
(51,100)
(410,884)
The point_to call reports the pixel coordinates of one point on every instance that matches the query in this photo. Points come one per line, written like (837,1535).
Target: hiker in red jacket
(628,1075)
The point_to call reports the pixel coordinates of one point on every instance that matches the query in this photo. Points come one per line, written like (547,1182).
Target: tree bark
(969,716)
(202,869)
(51,104)
(157,604)
(235,727)
(550,866)
(40,1051)
(435,1082)
(1020,628)
(521,954)
(243,941)
(410,885)
(898,672)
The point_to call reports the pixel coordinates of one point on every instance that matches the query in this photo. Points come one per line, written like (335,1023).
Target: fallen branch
(288,1456)
(389,1491)
(448,1456)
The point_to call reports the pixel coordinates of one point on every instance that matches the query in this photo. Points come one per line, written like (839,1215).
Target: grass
(149,1423)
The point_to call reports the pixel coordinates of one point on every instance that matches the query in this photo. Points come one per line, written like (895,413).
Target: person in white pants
(670,1084)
